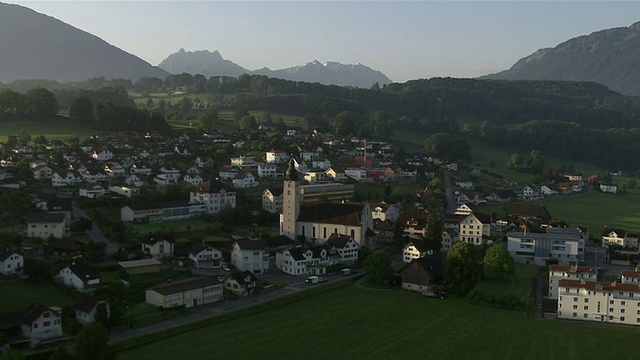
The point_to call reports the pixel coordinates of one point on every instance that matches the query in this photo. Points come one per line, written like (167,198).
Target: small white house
(205,256)
(78,276)
(11,263)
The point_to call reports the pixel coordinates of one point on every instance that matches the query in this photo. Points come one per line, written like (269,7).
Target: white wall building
(569,272)
(250,255)
(11,263)
(215,195)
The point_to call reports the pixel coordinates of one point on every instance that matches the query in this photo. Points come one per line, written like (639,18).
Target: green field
(15,295)
(363,324)
(61,129)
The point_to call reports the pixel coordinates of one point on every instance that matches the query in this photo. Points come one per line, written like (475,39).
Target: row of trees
(465,263)
(38,104)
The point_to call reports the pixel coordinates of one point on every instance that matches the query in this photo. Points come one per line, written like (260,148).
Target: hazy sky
(404,40)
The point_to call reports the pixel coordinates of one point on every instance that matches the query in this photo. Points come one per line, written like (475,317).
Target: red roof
(631,273)
(599,285)
(574,269)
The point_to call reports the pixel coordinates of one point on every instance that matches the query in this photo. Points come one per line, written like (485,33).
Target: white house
(385,211)
(569,272)
(562,246)
(272,200)
(609,188)
(102,154)
(92,191)
(188,293)
(11,263)
(39,323)
(87,307)
(245,180)
(475,228)
(267,170)
(619,237)
(214,195)
(80,277)
(416,249)
(344,247)
(205,256)
(112,168)
(241,283)
(276,156)
(631,277)
(300,261)
(250,255)
(65,178)
(356,174)
(193,179)
(44,225)
(157,247)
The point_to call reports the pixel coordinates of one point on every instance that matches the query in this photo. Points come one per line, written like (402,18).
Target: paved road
(211,310)
(95,233)
(448,188)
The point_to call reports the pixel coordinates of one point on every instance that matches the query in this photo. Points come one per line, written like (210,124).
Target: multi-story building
(475,228)
(164,211)
(619,237)
(557,244)
(416,249)
(631,277)
(11,263)
(569,272)
(272,200)
(214,195)
(250,255)
(599,301)
(187,293)
(385,211)
(45,225)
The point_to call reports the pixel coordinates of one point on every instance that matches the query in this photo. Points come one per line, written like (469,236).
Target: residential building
(205,256)
(250,255)
(87,307)
(92,191)
(569,272)
(79,276)
(344,247)
(272,200)
(157,247)
(539,249)
(385,211)
(301,261)
(449,238)
(609,188)
(11,263)
(245,180)
(163,211)
(267,170)
(276,156)
(609,302)
(143,266)
(45,225)
(243,162)
(39,323)
(416,249)
(619,237)
(414,223)
(214,195)
(188,293)
(475,228)
(631,277)
(423,274)
(241,283)
(65,178)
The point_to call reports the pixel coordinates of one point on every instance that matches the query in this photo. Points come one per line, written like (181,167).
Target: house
(92,191)
(204,161)
(188,293)
(124,190)
(526,211)
(214,195)
(134,180)
(79,276)
(631,277)
(423,274)
(609,188)
(569,272)
(314,177)
(141,168)
(449,238)
(468,196)
(272,200)
(574,176)
(250,255)
(344,247)
(580,300)
(205,256)
(11,263)
(36,322)
(464,183)
(563,246)
(193,179)
(112,168)
(245,180)
(475,228)
(65,178)
(548,190)
(385,211)
(45,225)
(502,195)
(529,192)
(227,173)
(300,261)
(335,173)
(465,209)
(267,170)
(102,154)
(241,283)
(144,266)
(157,247)
(276,156)
(356,174)
(87,307)
(63,247)
(243,162)
(41,172)
(384,230)
(416,249)
(321,164)
(414,223)
(619,237)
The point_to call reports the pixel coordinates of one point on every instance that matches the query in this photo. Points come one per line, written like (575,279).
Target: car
(266,282)
(220,278)
(225,268)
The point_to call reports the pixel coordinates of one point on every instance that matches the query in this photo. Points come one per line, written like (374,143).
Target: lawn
(61,128)
(15,295)
(357,323)
(520,285)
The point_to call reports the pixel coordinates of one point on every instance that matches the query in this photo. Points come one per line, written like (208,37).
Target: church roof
(328,213)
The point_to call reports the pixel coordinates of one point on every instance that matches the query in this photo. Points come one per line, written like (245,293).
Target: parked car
(225,268)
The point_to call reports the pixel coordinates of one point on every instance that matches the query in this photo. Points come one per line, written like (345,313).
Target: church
(316,222)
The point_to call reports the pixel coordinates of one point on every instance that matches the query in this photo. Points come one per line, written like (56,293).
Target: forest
(580,121)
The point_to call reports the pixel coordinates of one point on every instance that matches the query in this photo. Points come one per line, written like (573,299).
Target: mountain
(36,46)
(201,62)
(609,57)
(332,73)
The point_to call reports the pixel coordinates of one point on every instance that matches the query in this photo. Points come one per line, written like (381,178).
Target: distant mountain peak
(609,57)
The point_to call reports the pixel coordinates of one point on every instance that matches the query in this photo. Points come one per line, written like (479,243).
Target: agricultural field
(15,295)
(61,129)
(357,323)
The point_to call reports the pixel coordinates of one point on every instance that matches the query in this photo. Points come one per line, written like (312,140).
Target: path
(95,233)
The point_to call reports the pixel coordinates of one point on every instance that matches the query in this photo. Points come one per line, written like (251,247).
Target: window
(575,307)
(622,303)
(610,309)
(586,300)
(584,316)
(586,307)
(575,299)
(622,318)
(575,314)
(611,302)
(621,311)
(46,323)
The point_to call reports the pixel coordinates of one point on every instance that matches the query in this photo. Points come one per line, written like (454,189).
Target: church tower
(290,202)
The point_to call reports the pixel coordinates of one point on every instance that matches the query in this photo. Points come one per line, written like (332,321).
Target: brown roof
(185,285)
(631,273)
(573,269)
(32,312)
(87,303)
(212,186)
(599,285)
(246,244)
(328,213)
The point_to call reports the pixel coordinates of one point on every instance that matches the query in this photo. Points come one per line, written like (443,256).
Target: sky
(403,39)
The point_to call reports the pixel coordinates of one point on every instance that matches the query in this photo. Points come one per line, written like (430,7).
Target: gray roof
(185,285)
(138,263)
(45,218)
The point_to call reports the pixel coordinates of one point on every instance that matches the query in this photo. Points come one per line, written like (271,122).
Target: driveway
(95,233)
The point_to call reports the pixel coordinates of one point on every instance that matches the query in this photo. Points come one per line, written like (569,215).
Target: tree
(60,353)
(102,314)
(11,354)
(448,146)
(40,104)
(632,184)
(536,161)
(515,162)
(498,263)
(248,122)
(81,109)
(461,268)
(92,344)
(38,269)
(208,118)
(378,266)
(433,232)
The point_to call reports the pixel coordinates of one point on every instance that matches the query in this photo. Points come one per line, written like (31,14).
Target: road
(95,233)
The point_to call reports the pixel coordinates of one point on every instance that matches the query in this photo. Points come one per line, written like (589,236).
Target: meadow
(15,295)
(61,129)
(351,322)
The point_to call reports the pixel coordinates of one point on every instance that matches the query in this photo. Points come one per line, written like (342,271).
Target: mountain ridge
(210,64)
(608,57)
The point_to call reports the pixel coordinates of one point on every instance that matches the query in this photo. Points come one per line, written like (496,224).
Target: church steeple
(290,202)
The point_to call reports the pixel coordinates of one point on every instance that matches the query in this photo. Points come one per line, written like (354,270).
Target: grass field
(519,285)
(61,129)
(363,324)
(15,295)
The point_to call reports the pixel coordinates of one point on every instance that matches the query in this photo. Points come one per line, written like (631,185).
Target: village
(134,229)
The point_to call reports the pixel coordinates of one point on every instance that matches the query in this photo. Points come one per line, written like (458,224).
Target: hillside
(36,46)
(609,57)
(201,62)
